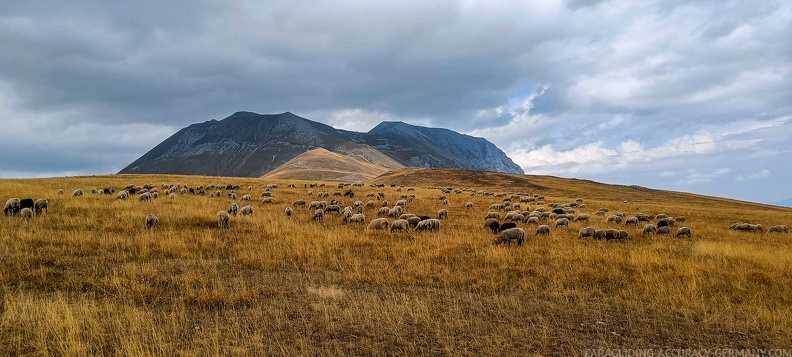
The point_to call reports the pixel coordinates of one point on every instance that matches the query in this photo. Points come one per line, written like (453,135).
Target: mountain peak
(251,144)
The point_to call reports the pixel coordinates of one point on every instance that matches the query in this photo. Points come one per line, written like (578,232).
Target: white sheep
(289,212)
(778,229)
(442,214)
(400,225)
(431,225)
(77,193)
(40,206)
(318,215)
(26,213)
(684,231)
(223,220)
(246,211)
(511,234)
(562,222)
(378,224)
(151,221)
(542,230)
(587,232)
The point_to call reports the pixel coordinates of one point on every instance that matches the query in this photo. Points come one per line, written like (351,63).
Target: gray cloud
(564,84)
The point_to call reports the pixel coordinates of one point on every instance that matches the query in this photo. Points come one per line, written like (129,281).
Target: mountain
(323,165)
(783,203)
(250,145)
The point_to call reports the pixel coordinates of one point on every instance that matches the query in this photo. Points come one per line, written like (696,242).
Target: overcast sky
(682,95)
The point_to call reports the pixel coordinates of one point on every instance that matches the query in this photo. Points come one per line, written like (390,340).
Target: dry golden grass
(88,279)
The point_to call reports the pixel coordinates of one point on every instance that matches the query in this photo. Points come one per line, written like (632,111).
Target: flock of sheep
(501,219)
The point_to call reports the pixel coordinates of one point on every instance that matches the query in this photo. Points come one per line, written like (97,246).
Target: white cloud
(762,174)
(667,174)
(698,177)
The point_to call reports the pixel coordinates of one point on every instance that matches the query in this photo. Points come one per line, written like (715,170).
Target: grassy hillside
(89,279)
(321,164)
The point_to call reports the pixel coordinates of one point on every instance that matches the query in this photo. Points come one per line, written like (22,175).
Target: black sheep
(506,226)
(423,218)
(662,223)
(494,226)
(26,203)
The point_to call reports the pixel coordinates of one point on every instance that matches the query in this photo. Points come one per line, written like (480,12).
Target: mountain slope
(323,165)
(249,145)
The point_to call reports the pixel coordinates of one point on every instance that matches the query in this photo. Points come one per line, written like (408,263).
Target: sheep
(587,232)
(664,230)
(442,214)
(623,235)
(684,231)
(662,223)
(268,200)
(631,220)
(562,222)
(649,229)
(413,221)
(611,234)
(357,218)
(60,192)
(400,225)
(233,209)
(318,215)
(469,205)
(154,195)
(378,224)
(492,224)
(407,215)
(247,210)
(778,229)
(289,212)
(232,195)
(145,197)
(615,219)
(600,234)
(494,215)
(543,230)
(40,206)
(680,219)
(151,221)
(582,217)
(383,211)
(394,212)
(12,207)
(506,226)
(532,220)
(509,235)
(77,193)
(245,198)
(223,220)
(333,208)
(431,225)
(26,213)
(661,216)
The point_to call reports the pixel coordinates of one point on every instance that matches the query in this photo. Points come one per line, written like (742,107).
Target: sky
(689,96)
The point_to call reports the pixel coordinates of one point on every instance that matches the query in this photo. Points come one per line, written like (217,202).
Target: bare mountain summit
(251,145)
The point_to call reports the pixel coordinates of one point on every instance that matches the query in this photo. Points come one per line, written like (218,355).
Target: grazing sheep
(289,212)
(400,225)
(431,225)
(233,209)
(268,200)
(223,220)
(40,206)
(172,196)
(494,215)
(151,221)
(442,214)
(298,203)
(664,230)
(383,211)
(394,212)
(12,207)
(661,216)
(543,230)
(615,219)
(511,234)
(413,220)
(684,231)
(680,219)
(662,223)
(649,229)
(378,224)
(587,232)
(631,221)
(778,229)
(582,217)
(77,193)
(600,234)
(60,192)
(247,210)
(562,222)
(232,195)
(155,195)
(407,215)
(492,224)
(507,225)
(532,220)
(611,234)
(469,205)
(245,198)
(26,213)
(623,235)
(333,208)
(357,218)
(318,215)
(145,197)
